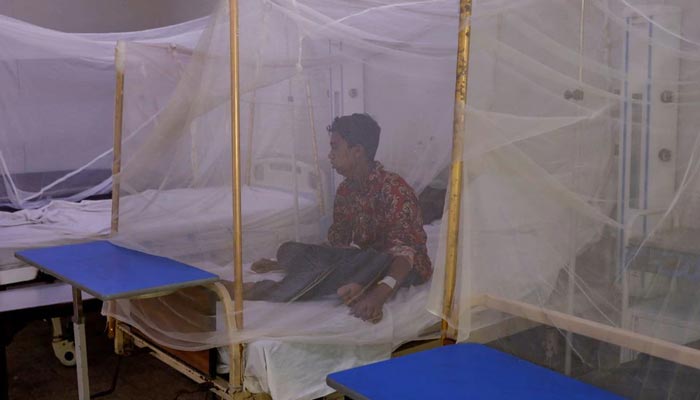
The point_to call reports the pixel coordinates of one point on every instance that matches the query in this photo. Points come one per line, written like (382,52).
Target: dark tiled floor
(597,363)
(649,378)
(36,374)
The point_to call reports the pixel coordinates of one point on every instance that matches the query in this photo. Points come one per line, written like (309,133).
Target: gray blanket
(315,271)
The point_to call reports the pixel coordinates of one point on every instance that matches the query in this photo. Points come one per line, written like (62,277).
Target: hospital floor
(645,377)
(35,374)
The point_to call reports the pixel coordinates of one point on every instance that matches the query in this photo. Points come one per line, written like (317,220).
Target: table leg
(8,329)
(4,386)
(80,345)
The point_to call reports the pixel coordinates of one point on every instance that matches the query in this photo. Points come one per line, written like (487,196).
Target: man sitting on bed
(376,243)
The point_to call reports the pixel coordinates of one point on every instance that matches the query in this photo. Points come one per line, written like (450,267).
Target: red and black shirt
(383,215)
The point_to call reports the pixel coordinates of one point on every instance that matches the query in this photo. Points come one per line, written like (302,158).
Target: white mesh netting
(58,108)
(580,166)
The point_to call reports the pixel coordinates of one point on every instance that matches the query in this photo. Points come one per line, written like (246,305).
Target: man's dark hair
(358,129)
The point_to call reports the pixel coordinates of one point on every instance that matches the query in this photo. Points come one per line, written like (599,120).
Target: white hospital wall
(688,119)
(105,15)
(58,104)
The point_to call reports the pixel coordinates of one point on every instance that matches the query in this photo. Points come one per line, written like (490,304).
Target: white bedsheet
(59,222)
(294,368)
(169,208)
(64,222)
(290,370)
(55,222)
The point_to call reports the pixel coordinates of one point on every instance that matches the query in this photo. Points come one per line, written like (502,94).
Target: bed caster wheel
(64,350)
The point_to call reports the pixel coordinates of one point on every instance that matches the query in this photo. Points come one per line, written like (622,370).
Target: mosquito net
(58,108)
(579,158)
(580,191)
(301,64)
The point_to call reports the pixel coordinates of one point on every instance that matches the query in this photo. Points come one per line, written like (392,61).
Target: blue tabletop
(108,271)
(462,371)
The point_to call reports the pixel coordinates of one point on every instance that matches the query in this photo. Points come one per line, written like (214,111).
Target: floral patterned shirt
(385,216)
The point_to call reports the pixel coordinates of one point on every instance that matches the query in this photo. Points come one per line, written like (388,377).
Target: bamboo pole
(236,173)
(251,129)
(320,192)
(235,374)
(576,156)
(621,337)
(455,200)
(119,57)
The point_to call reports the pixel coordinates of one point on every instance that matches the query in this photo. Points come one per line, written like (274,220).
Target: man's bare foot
(259,290)
(264,265)
(369,306)
(349,292)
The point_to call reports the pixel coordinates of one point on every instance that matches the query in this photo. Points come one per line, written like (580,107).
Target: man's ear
(358,151)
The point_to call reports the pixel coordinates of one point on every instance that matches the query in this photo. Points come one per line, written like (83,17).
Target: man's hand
(349,293)
(369,306)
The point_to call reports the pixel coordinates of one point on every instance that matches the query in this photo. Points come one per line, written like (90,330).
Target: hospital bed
(22,305)
(23,295)
(64,222)
(268,358)
(295,367)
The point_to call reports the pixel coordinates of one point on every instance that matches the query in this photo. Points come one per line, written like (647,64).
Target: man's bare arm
(369,306)
(399,269)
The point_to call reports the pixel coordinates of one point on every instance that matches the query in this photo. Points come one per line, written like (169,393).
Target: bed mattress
(290,350)
(296,368)
(292,367)
(63,222)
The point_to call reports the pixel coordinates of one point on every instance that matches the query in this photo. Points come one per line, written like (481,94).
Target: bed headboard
(281,173)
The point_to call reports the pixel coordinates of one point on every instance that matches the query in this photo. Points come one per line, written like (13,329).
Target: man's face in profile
(341,156)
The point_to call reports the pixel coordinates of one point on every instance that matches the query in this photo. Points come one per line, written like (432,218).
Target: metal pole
(236,173)
(455,200)
(251,130)
(80,346)
(574,218)
(119,58)
(320,192)
(119,64)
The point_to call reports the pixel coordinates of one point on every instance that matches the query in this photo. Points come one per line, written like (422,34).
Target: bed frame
(537,315)
(300,177)
(25,304)
(275,172)
(199,366)
(279,172)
